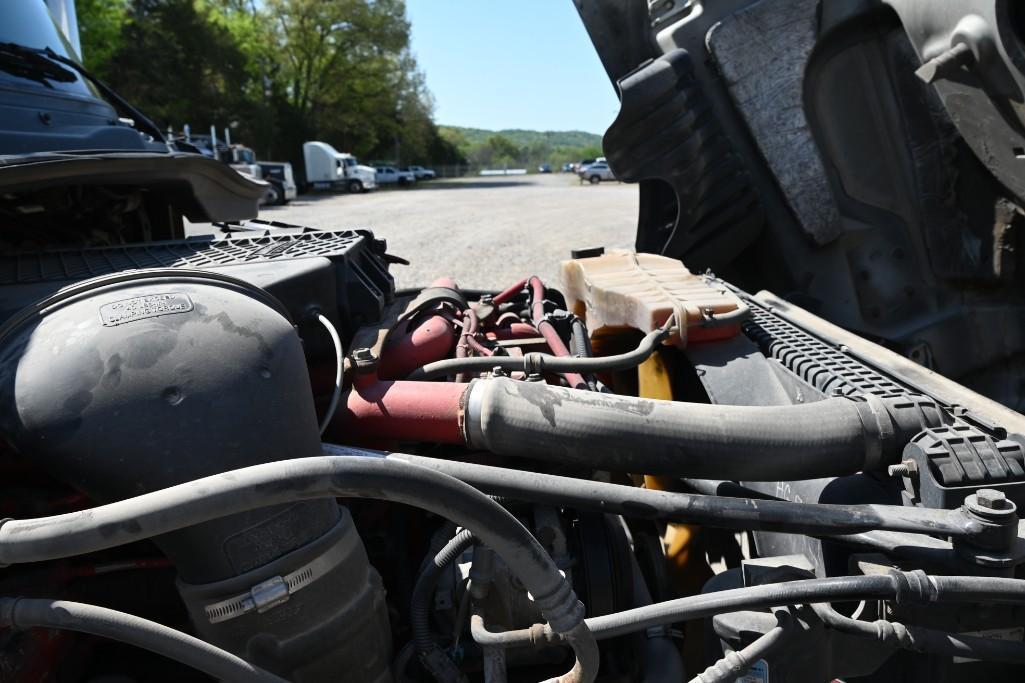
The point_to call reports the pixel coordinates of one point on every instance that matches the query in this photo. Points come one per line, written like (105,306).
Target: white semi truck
(327,168)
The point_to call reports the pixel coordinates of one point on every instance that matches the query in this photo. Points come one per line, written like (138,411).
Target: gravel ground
(484,232)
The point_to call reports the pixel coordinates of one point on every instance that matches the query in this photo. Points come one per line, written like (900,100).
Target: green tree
(281,71)
(100,23)
(503,150)
(176,64)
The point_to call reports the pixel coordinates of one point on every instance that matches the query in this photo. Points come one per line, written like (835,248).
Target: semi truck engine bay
(776,442)
(251,455)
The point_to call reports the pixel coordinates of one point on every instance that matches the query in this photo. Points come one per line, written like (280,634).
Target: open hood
(864,159)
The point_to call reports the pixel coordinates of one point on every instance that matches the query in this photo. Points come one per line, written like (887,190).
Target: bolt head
(991,499)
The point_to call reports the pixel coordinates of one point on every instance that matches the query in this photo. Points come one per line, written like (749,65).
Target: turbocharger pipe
(828,438)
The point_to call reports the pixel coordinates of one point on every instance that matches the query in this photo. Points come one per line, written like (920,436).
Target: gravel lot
(484,232)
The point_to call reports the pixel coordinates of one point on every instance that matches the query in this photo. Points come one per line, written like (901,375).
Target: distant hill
(525,138)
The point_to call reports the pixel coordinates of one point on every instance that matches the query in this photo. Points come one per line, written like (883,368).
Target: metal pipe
(811,519)
(541,362)
(399,411)
(914,586)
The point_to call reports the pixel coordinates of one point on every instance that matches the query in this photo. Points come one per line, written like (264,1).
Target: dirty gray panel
(734,372)
(761,52)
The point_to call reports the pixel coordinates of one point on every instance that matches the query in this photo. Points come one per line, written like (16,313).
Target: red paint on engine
(376,412)
(414,345)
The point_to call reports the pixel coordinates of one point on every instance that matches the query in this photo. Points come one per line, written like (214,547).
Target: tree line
(524,148)
(276,72)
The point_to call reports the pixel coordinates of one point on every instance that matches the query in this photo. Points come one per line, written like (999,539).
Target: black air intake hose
(828,438)
(144,379)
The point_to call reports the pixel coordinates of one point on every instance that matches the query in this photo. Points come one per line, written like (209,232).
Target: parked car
(544,168)
(568,167)
(596,172)
(389,175)
(421,173)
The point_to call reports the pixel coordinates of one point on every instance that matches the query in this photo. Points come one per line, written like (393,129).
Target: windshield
(350,161)
(28,23)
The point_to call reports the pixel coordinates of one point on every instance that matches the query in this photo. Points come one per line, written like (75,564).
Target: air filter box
(140,380)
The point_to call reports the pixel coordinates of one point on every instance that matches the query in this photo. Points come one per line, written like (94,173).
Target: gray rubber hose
(542,362)
(921,639)
(833,437)
(173,508)
(23,613)
(913,586)
(735,664)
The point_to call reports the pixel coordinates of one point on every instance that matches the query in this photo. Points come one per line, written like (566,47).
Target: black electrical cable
(581,342)
(580,338)
(543,362)
(288,481)
(24,613)
(433,658)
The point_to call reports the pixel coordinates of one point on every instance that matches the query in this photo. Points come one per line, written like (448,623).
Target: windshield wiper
(30,64)
(44,65)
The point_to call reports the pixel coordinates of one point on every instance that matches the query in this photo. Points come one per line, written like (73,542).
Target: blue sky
(511,64)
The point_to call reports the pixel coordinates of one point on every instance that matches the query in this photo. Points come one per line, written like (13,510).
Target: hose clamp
(473,429)
(534,363)
(276,590)
(913,587)
(2,522)
(879,430)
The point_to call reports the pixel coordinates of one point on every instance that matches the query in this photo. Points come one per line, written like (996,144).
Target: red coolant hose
(425,340)
(509,293)
(548,331)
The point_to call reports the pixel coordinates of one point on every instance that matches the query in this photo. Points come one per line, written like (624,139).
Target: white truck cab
(326,168)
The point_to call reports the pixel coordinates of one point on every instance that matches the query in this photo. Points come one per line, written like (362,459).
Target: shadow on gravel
(483,183)
(442,184)
(305,199)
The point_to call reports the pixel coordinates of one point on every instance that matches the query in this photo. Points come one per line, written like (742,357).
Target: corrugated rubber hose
(433,658)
